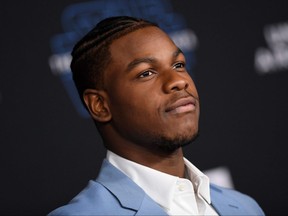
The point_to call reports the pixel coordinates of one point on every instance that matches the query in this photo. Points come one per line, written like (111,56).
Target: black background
(49,152)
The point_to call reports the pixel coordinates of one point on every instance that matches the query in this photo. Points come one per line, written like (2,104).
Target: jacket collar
(129,194)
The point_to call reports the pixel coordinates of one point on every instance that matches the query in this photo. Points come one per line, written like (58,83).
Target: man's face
(152,98)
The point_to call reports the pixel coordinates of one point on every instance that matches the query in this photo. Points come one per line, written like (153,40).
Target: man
(132,79)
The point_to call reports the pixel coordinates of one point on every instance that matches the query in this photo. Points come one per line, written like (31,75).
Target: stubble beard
(169,145)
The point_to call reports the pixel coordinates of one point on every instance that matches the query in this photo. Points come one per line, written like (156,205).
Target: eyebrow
(177,52)
(149,60)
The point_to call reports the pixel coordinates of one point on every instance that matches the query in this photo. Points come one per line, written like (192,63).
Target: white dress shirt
(177,196)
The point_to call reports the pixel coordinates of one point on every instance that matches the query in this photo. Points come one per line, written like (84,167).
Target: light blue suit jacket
(113,193)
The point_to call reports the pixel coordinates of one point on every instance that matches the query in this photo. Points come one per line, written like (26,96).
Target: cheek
(136,118)
(192,88)
(133,105)
(142,108)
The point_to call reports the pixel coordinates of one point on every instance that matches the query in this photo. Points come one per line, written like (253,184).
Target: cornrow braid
(91,55)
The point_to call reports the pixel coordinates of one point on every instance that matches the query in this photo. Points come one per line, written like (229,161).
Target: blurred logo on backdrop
(78,19)
(274,57)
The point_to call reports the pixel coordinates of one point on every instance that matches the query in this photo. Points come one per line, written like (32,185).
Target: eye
(146,74)
(179,65)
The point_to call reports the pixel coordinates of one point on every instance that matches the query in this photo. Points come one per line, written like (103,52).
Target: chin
(170,144)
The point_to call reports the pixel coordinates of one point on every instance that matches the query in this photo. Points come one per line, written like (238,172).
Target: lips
(182,105)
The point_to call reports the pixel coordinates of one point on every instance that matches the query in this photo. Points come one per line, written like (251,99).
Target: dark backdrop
(49,151)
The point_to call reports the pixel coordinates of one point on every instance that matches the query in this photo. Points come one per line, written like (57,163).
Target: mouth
(182,105)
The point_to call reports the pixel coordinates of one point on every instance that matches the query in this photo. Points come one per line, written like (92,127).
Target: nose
(174,81)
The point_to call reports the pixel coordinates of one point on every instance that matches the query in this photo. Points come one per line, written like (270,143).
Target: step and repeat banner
(237,54)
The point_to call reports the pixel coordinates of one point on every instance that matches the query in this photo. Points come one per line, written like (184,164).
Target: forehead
(142,42)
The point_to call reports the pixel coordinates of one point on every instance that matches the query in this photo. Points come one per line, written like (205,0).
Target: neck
(171,163)
(148,155)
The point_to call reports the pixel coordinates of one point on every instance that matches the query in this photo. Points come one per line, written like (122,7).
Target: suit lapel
(129,194)
(223,204)
(150,207)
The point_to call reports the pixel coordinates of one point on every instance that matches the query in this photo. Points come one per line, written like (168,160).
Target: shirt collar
(158,185)
(199,180)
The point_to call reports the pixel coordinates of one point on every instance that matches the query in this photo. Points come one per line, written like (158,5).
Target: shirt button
(181,187)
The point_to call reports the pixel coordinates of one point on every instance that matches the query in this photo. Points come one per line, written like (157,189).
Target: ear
(96,102)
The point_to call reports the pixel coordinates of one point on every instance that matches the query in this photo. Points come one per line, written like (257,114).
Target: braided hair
(91,55)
